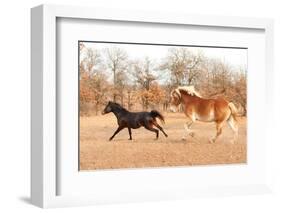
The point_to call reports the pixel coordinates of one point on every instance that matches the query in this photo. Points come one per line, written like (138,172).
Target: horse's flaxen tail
(156,114)
(233,110)
(232,121)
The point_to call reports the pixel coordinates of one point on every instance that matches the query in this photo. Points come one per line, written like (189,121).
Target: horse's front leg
(187,127)
(118,130)
(130,133)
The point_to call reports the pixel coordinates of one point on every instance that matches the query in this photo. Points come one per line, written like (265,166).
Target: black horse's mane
(118,106)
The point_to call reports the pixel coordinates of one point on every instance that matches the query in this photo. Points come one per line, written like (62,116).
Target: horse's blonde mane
(189,89)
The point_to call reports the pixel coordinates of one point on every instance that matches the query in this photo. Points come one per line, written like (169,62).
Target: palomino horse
(195,107)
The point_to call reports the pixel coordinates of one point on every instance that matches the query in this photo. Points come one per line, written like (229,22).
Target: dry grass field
(97,152)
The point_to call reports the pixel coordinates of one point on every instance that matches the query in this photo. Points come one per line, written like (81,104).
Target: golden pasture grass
(96,152)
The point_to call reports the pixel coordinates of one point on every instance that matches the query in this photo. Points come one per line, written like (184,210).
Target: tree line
(143,84)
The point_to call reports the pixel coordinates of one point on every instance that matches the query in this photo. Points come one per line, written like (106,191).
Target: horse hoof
(183,138)
(192,134)
(212,141)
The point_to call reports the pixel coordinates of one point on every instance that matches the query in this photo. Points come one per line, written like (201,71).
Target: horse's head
(112,107)
(180,93)
(175,100)
(108,108)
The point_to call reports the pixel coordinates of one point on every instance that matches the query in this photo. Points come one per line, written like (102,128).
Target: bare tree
(116,59)
(81,46)
(183,65)
(91,60)
(144,75)
(92,80)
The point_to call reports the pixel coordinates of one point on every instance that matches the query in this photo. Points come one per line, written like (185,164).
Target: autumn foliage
(110,74)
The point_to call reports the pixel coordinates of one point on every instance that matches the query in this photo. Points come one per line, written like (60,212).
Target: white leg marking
(187,126)
(185,132)
(233,125)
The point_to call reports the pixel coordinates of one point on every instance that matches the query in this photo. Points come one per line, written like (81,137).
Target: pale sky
(237,58)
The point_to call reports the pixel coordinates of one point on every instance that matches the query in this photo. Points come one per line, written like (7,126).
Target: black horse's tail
(156,114)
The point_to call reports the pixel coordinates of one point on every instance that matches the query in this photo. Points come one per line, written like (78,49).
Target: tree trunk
(97,108)
(129,100)
(114,83)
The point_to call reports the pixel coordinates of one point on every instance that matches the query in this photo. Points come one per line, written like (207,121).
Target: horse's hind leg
(118,130)
(148,126)
(219,131)
(233,125)
(161,129)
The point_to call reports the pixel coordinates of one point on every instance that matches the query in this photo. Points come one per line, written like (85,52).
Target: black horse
(134,120)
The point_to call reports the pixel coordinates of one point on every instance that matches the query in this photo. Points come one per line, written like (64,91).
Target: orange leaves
(87,95)
(155,95)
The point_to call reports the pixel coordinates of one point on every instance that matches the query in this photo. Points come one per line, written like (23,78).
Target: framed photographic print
(144,84)
(130,106)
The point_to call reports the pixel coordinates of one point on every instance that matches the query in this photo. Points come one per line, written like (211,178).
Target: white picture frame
(44,155)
